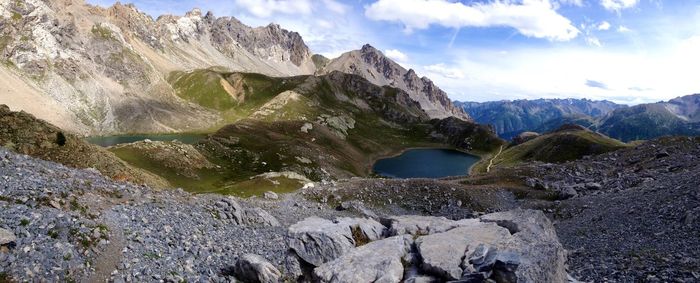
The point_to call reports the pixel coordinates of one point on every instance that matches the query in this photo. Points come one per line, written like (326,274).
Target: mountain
(289,131)
(509,118)
(374,66)
(94,70)
(569,142)
(679,116)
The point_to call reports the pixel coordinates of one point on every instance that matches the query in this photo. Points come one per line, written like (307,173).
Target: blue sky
(627,51)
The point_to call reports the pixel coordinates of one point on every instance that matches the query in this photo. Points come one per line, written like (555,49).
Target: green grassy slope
(558,146)
(327,127)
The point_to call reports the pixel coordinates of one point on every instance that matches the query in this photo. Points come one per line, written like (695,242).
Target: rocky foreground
(64,224)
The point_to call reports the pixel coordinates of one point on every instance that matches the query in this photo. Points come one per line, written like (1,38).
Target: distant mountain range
(680,116)
(510,118)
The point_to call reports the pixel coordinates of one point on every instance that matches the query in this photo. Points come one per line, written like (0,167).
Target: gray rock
(423,225)
(6,237)
(442,253)
(379,261)
(256,269)
(258,216)
(271,195)
(317,240)
(541,256)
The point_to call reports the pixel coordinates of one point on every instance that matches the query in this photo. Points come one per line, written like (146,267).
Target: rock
(258,216)
(6,237)
(662,154)
(567,192)
(593,186)
(317,240)
(271,195)
(423,225)
(255,269)
(524,137)
(357,206)
(379,261)
(535,243)
(442,253)
(306,128)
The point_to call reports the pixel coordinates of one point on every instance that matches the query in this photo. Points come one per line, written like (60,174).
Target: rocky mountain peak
(373,65)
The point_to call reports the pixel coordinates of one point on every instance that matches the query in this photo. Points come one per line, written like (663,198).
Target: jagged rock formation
(372,65)
(510,118)
(103,70)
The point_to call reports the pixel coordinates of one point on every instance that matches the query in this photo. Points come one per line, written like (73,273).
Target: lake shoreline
(403,151)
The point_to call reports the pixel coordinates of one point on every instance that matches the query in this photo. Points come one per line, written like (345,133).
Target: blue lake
(115,140)
(426,163)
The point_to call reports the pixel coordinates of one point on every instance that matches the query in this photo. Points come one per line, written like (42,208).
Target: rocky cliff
(371,64)
(96,70)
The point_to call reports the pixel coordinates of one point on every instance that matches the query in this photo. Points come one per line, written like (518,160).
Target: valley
(196,148)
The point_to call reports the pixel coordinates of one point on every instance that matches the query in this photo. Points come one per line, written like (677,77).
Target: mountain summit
(373,65)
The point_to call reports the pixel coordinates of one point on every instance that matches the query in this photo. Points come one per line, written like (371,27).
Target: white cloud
(626,76)
(578,3)
(396,55)
(617,5)
(623,29)
(335,6)
(533,18)
(604,26)
(442,70)
(592,40)
(266,8)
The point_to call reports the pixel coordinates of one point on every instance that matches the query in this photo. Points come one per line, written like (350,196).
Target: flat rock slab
(379,261)
(442,253)
(423,225)
(6,237)
(317,240)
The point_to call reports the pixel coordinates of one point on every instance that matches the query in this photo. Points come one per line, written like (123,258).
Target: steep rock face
(510,118)
(102,70)
(372,65)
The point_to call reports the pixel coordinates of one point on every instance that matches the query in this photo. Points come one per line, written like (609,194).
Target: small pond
(115,140)
(426,163)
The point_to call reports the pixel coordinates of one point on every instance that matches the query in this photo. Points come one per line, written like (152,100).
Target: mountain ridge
(373,65)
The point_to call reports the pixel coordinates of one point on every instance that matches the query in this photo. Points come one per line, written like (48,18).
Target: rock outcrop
(372,65)
(513,246)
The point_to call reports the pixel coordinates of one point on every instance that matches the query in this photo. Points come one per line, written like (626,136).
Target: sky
(626,51)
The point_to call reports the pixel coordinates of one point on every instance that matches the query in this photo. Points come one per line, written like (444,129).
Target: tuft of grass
(24,222)
(16,16)
(102,32)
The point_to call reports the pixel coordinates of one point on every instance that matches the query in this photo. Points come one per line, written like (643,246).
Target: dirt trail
(488,168)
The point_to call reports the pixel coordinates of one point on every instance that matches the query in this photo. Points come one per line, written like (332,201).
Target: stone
(306,128)
(567,192)
(534,241)
(6,237)
(258,216)
(317,240)
(593,186)
(379,261)
(255,269)
(442,253)
(270,195)
(423,225)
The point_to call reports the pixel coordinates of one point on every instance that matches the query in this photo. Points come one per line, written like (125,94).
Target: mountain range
(680,116)
(94,70)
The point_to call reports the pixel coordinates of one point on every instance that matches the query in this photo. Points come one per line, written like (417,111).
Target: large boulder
(379,261)
(534,239)
(422,225)
(442,253)
(253,268)
(229,210)
(317,240)
(514,246)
